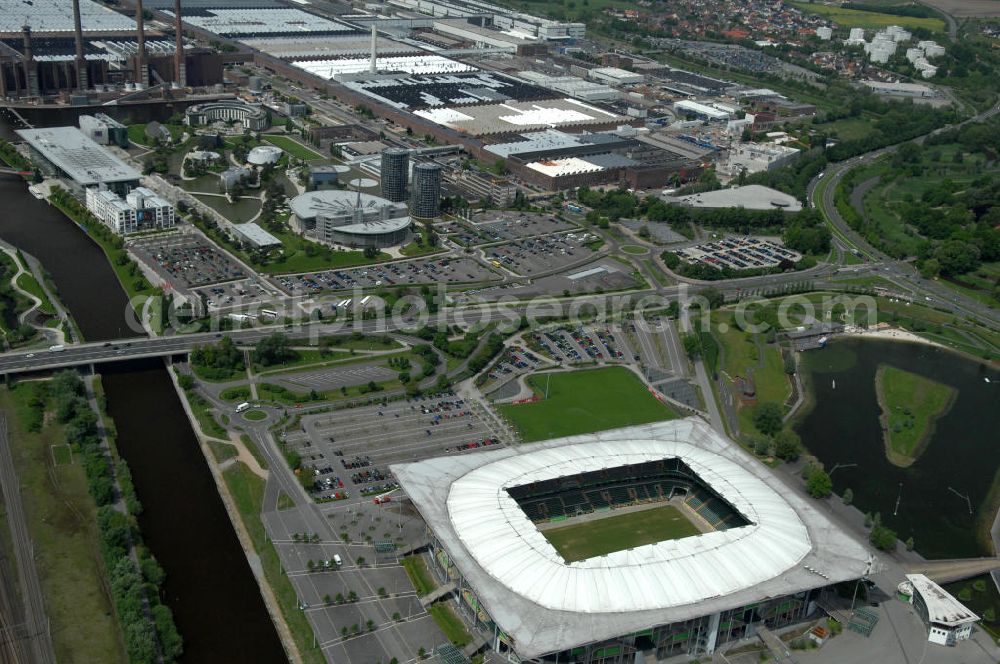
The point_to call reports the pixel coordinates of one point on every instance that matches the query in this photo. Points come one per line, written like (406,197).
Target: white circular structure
(263,155)
(509,546)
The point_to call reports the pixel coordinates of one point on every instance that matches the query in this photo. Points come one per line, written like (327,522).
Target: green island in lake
(910,404)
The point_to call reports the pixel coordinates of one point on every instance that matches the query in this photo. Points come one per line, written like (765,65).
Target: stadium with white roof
(761,557)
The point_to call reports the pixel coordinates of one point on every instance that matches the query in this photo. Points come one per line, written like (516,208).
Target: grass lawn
(583,402)
(293,147)
(450,624)
(222,451)
(202,410)
(284,502)
(412,250)
(248,494)
(255,415)
(910,405)
(419,575)
(62,523)
(581,541)
(28,283)
(854,18)
(634,249)
(254,451)
(242,211)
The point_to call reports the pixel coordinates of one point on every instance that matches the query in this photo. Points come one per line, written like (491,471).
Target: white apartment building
(141,210)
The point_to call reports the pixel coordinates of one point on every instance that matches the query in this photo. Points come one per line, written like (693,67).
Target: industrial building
(394,171)
(252,116)
(756,157)
(512,117)
(948,620)
(351,219)
(505,19)
(703,111)
(556,160)
(762,558)
(73,155)
(141,210)
(572,86)
(425,190)
(477,185)
(615,76)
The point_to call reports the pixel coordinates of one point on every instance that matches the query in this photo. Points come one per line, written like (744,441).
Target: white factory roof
(701,109)
(261,21)
(942,608)
(751,197)
(567,166)
(57,16)
(410,64)
(79,156)
(547,604)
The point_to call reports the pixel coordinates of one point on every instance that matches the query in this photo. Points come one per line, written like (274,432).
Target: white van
(337,560)
(243,407)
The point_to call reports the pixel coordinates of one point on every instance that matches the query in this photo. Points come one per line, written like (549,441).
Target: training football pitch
(583,402)
(581,541)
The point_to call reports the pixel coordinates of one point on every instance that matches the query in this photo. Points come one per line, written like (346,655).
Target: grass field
(62,523)
(581,541)
(419,575)
(293,147)
(583,402)
(910,406)
(450,624)
(854,18)
(241,211)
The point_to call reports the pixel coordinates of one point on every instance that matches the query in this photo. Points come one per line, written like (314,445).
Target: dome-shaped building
(263,155)
(350,218)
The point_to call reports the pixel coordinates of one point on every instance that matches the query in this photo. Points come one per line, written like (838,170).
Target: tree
(787,445)
(713,296)
(692,344)
(275,349)
(909,543)
(371,252)
(768,418)
(848,496)
(819,484)
(883,538)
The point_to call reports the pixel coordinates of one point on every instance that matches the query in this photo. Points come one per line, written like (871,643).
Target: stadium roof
(546,604)
(77,155)
(942,608)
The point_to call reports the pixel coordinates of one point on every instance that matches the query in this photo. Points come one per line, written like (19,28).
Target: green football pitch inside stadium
(581,541)
(583,402)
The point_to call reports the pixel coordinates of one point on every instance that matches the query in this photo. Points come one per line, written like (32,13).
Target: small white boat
(833,384)
(36,193)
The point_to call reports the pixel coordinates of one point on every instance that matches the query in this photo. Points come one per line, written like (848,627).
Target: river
(960,461)
(209,585)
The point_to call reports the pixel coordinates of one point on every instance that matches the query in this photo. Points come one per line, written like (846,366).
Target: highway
(900,272)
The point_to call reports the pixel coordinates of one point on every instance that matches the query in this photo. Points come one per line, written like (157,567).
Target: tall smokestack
(373,68)
(30,67)
(142,69)
(81,64)
(180,72)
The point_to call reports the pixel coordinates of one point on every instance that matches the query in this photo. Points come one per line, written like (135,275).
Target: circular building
(251,116)
(350,218)
(263,155)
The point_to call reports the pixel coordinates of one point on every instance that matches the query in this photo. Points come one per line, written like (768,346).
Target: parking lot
(533,256)
(515,361)
(186,260)
(332,378)
(504,226)
(352,448)
(658,232)
(430,270)
(234,293)
(740,253)
(583,343)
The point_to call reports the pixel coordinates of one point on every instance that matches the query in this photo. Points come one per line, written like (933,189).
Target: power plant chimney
(30,66)
(180,72)
(81,64)
(142,69)
(373,68)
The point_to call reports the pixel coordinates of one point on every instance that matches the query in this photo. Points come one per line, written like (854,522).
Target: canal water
(928,500)
(209,585)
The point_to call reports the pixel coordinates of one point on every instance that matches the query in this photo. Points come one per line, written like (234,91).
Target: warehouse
(522,116)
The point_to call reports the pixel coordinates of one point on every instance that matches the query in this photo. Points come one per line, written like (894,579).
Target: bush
(883,538)
(819,484)
(768,418)
(787,445)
